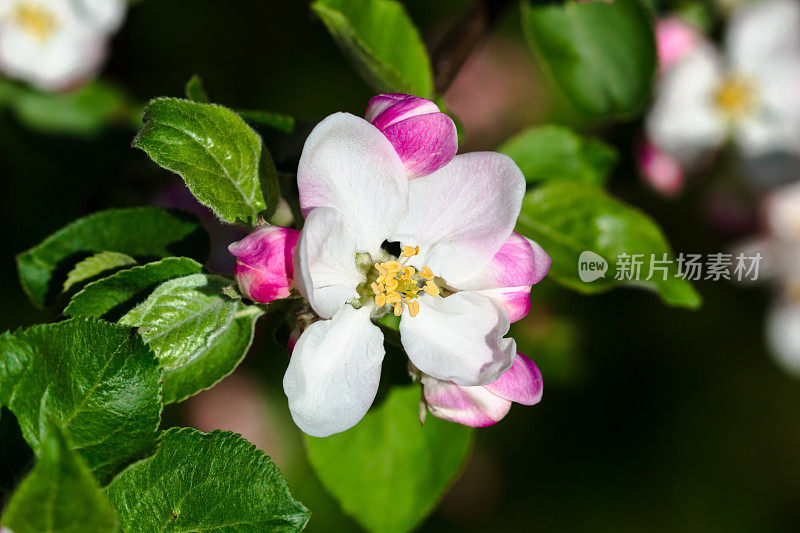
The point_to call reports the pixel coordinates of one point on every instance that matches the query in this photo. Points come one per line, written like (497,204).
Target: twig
(454,49)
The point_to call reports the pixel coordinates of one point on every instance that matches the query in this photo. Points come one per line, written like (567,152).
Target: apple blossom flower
(437,250)
(56,44)
(264,263)
(424,137)
(482,406)
(750,93)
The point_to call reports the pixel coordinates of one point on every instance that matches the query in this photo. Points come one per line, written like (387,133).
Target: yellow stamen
(37,20)
(393,298)
(391,267)
(735,97)
(409,251)
(431,288)
(398,284)
(392,284)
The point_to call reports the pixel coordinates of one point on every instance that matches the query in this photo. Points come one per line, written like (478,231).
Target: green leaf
(97,380)
(59,495)
(138,232)
(601,54)
(80,112)
(552,152)
(215,152)
(194,330)
(222,358)
(278,121)
(388,471)
(381,41)
(567,218)
(96,264)
(195,90)
(205,482)
(106,296)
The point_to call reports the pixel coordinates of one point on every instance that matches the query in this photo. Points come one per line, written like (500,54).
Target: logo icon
(591,266)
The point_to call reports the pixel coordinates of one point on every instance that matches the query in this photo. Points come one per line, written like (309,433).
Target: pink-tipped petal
(662,172)
(264,266)
(423,137)
(674,38)
(516,300)
(387,109)
(351,167)
(519,262)
(522,383)
(379,104)
(461,215)
(469,406)
(425,143)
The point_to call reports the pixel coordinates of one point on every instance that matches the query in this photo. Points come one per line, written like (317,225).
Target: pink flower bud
(674,38)
(423,137)
(264,267)
(485,405)
(660,170)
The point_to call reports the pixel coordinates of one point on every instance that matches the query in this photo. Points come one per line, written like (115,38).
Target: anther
(393,298)
(391,267)
(409,271)
(391,284)
(426,273)
(413,307)
(398,309)
(375,288)
(410,251)
(431,288)
(380,300)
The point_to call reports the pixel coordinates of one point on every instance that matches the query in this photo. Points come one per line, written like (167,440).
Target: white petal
(459,338)
(349,165)
(334,372)
(774,126)
(325,261)
(783,214)
(683,121)
(783,335)
(763,33)
(470,406)
(462,214)
(102,15)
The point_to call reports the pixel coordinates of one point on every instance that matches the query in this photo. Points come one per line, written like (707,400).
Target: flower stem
(456,46)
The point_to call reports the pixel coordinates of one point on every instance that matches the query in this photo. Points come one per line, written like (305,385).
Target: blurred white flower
(56,44)
(750,93)
(781,264)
